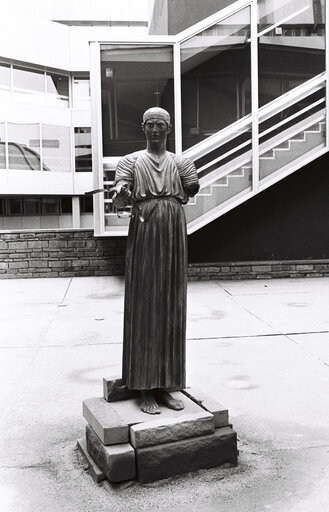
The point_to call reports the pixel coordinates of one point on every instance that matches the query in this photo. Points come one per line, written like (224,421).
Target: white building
(45,117)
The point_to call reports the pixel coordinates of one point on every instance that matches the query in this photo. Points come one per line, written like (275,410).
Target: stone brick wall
(258,270)
(78,253)
(60,254)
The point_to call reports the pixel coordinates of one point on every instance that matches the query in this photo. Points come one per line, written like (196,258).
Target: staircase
(231,184)
(256,151)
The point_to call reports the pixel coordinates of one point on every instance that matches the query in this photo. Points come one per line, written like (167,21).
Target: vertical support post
(326,49)
(76,212)
(41,149)
(96,136)
(254,94)
(178,100)
(6,145)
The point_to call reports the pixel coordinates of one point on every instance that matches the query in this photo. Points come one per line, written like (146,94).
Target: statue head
(156,126)
(156,112)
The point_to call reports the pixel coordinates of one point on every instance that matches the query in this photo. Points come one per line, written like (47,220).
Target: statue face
(156,130)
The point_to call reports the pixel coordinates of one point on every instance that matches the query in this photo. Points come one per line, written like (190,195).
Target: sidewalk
(259,347)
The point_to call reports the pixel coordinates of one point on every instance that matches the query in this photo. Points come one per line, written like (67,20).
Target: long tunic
(156,270)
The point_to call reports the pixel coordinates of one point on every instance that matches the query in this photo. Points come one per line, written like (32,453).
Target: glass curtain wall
(291,45)
(24,146)
(133,79)
(34,86)
(25,151)
(215,77)
(2,146)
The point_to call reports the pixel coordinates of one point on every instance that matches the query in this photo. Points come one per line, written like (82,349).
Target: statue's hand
(121,194)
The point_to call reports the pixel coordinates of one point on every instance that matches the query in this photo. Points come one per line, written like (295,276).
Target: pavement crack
(67,289)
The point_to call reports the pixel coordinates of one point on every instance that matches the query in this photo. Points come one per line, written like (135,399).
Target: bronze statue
(157,183)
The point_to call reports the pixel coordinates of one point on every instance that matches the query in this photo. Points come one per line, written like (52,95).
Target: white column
(254,95)
(178,100)
(76,212)
(326,8)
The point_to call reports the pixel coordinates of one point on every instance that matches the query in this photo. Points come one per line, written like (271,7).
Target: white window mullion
(6,145)
(41,152)
(254,94)
(327,71)
(178,100)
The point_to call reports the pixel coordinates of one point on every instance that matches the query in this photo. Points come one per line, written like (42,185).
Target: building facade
(245,83)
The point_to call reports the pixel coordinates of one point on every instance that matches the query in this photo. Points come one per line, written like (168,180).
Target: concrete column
(76,212)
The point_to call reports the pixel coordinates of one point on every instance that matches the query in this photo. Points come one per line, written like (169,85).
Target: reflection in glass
(134,78)
(66,204)
(57,90)
(215,78)
(56,147)
(15,206)
(86,204)
(81,92)
(29,85)
(32,206)
(291,45)
(24,146)
(82,146)
(50,205)
(2,146)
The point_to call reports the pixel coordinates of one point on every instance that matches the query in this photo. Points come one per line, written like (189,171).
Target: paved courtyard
(259,347)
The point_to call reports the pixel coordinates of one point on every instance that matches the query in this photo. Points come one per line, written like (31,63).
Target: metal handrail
(293,116)
(265,146)
(277,105)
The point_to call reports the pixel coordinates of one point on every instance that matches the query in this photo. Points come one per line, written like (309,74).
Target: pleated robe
(154,336)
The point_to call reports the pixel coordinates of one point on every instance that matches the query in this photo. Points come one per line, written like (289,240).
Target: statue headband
(158,112)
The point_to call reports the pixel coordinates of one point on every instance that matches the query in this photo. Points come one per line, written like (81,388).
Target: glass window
(57,90)
(56,147)
(2,146)
(215,67)
(82,145)
(24,146)
(31,205)
(15,206)
(86,204)
(2,206)
(5,85)
(292,52)
(66,204)
(81,92)
(133,79)
(50,205)
(29,85)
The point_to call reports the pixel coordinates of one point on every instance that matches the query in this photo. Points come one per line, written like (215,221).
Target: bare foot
(172,403)
(149,404)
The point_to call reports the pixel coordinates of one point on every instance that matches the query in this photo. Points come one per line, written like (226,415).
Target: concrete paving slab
(315,344)
(273,286)
(206,288)
(33,291)
(268,384)
(275,387)
(290,313)
(208,317)
(27,326)
(89,289)
(87,323)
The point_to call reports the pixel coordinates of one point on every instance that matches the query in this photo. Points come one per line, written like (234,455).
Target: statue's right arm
(123,181)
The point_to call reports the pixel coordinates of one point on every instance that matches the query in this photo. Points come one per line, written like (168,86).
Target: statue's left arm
(188,176)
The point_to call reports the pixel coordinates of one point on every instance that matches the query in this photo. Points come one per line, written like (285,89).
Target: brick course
(60,254)
(72,253)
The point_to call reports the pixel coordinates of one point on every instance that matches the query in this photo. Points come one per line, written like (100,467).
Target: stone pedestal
(123,443)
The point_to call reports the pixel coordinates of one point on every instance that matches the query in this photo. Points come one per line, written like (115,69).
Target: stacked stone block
(75,253)
(123,443)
